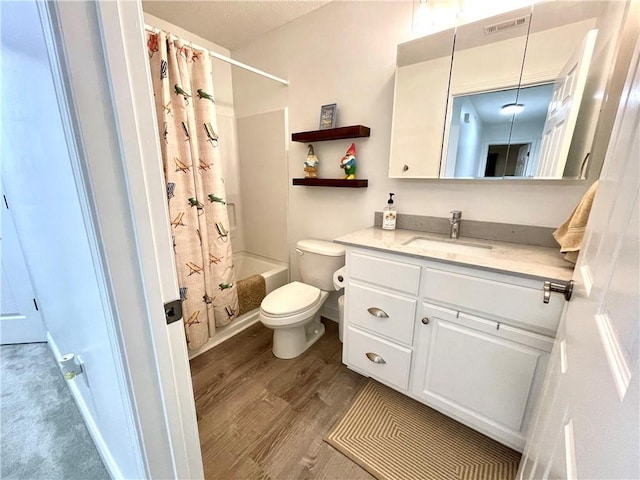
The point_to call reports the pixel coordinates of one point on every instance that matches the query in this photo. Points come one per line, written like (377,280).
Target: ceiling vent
(512,23)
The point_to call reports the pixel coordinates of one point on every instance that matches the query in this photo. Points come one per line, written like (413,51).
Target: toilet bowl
(293,310)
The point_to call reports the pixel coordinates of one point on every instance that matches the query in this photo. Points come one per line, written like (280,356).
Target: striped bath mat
(395,437)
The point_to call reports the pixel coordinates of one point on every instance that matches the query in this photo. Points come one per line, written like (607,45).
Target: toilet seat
(290,299)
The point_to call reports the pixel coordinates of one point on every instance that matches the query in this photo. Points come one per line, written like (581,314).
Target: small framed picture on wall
(328,116)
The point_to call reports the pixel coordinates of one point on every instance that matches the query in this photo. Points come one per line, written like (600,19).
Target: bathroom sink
(450,246)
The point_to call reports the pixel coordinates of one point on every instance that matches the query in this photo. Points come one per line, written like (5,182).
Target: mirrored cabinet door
(561,52)
(483,91)
(420,102)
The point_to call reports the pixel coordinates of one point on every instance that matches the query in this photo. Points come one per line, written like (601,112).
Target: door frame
(120,179)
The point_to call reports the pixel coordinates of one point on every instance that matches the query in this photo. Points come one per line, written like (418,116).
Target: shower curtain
(185,105)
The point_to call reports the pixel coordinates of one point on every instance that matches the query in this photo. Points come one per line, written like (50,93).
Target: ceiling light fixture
(422,15)
(511,108)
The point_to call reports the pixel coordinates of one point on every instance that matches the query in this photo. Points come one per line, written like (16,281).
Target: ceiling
(535,99)
(230,23)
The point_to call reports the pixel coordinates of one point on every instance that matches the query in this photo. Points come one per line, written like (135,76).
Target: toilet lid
(290,299)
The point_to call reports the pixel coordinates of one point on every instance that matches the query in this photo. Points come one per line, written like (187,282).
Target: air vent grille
(499,27)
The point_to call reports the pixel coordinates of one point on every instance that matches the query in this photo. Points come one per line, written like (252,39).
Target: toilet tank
(317,260)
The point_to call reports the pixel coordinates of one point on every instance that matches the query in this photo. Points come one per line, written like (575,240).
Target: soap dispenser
(389,215)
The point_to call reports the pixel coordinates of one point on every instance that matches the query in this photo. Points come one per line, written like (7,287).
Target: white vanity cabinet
(471,343)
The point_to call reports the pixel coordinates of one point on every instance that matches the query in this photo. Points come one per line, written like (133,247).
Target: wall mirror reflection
(485,141)
(550,64)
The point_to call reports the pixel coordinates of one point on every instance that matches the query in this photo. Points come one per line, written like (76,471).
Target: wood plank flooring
(261,417)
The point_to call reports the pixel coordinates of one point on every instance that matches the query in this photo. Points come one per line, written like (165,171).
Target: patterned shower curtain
(185,105)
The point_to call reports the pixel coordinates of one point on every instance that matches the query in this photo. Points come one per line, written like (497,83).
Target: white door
(523,159)
(99,47)
(127,65)
(563,110)
(20,319)
(587,425)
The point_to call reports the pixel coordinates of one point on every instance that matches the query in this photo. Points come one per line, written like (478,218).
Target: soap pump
(389,215)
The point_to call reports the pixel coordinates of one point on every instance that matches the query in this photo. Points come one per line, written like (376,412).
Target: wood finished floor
(261,417)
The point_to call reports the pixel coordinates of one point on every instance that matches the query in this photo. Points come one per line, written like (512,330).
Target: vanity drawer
(515,300)
(383,313)
(381,359)
(384,272)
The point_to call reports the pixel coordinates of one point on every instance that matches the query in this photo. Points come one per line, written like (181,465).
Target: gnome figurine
(311,164)
(348,163)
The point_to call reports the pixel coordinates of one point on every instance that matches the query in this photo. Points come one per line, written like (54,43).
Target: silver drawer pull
(376,312)
(375,358)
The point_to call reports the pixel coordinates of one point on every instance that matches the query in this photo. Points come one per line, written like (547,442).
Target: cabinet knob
(405,168)
(377,312)
(425,320)
(375,358)
(566,290)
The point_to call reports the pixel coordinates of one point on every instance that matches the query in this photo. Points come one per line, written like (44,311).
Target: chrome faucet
(456,215)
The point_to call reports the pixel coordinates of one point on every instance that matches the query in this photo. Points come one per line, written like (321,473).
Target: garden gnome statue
(311,164)
(348,162)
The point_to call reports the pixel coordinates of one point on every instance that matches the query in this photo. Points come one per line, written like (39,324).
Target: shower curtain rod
(227,59)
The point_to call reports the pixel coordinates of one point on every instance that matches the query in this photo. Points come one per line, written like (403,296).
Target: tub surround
(526,260)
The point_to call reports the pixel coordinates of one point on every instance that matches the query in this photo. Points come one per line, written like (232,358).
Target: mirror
(485,74)
(487,141)
(422,84)
(523,95)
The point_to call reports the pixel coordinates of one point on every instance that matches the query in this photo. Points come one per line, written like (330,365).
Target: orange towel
(570,234)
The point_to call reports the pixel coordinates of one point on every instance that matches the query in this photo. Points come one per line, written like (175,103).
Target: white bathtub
(275,273)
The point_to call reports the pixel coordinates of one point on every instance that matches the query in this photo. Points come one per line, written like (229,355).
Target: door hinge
(173,311)
(6,204)
(35,304)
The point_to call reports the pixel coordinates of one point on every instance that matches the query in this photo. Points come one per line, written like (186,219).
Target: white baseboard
(94,431)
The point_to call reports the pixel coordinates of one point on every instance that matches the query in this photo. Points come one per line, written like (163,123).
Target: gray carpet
(43,434)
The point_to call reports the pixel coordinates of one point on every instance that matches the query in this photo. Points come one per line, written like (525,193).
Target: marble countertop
(531,261)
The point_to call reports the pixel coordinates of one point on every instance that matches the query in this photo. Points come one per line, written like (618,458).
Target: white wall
(40,185)
(345,52)
(469,139)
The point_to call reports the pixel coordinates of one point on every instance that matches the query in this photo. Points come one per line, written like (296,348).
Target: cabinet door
(470,370)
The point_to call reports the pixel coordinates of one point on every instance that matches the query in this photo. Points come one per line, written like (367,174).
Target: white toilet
(293,311)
